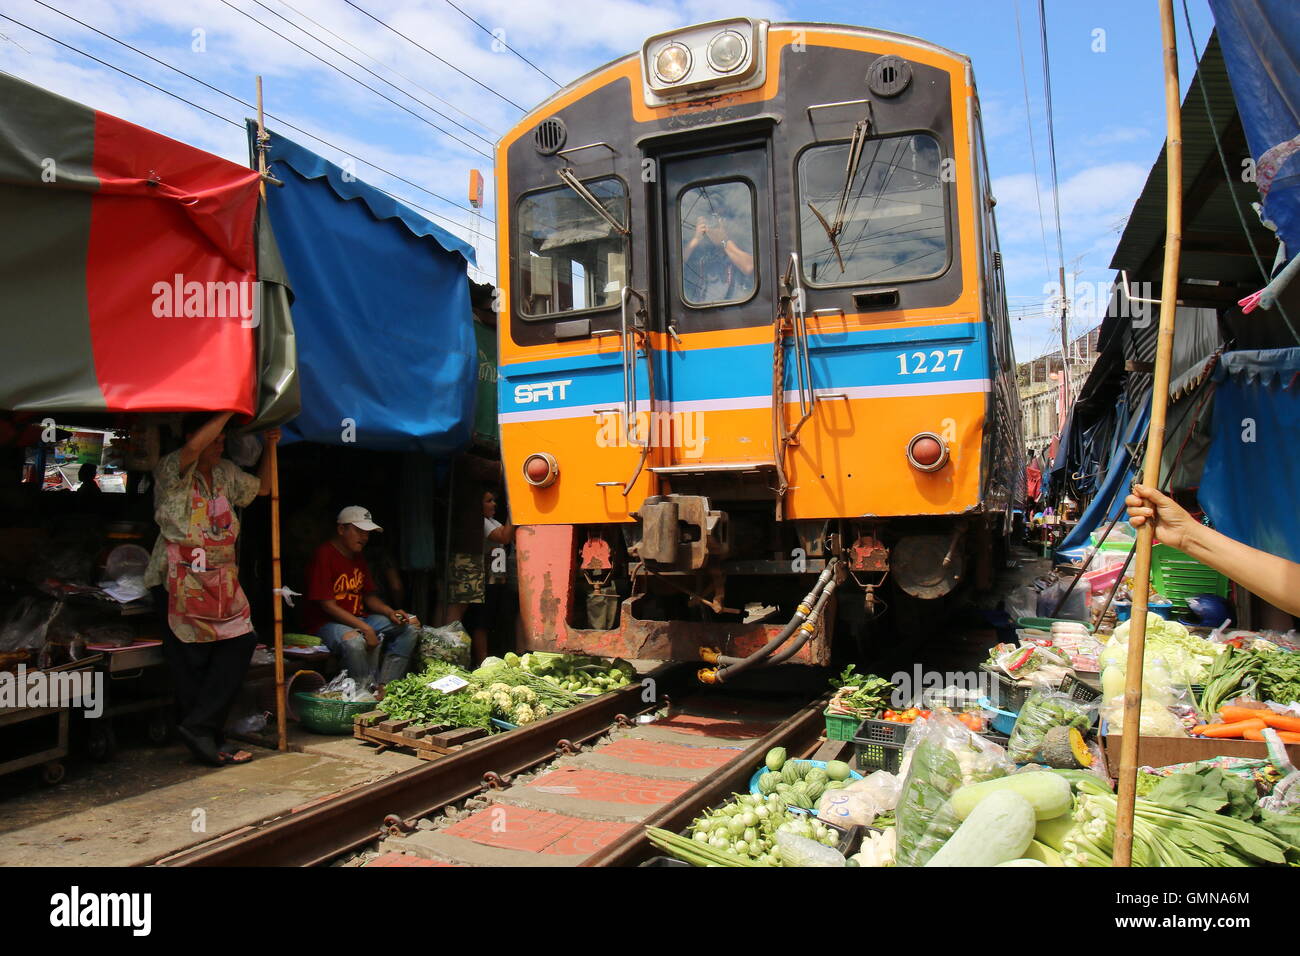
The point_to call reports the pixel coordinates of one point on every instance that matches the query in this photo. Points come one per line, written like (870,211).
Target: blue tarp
(1251,470)
(386,351)
(1120,472)
(1261,47)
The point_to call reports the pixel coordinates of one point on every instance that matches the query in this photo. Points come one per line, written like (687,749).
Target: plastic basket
(323,715)
(881,732)
(1179,577)
(840,726)
(1003,721)
(871,757)
(1007,693)
(1045,623)
(1076,689)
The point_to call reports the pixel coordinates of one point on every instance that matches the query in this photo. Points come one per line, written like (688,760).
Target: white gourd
(999,829)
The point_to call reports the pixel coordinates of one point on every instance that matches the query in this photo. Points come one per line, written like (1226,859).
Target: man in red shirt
(339,593)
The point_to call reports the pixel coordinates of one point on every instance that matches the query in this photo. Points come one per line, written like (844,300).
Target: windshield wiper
(584,193)
(833,229)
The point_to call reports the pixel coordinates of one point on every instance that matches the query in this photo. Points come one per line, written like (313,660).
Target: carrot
(1230,714)
(1230,730)
(1287,736)
(1281,722)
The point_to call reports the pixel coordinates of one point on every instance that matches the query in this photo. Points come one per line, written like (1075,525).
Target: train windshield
(570,258)
(894,224)
(718,241)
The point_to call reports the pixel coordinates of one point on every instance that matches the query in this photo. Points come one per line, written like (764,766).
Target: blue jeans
(360,661)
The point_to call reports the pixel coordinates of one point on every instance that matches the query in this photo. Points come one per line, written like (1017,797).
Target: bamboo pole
(1123,855)
(272,449)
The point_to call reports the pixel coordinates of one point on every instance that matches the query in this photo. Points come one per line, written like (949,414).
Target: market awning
(1121,468)
(1251,472)
(1261,46)
(130,266)
(381,298)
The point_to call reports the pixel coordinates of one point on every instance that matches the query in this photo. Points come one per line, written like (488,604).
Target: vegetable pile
(742,832)
(411,698)
(1267,675)
(1187,658)
(1042,712)
(860,696)
(577,673)
(797,782)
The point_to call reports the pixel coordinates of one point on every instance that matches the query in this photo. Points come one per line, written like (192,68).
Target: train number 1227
(937,362)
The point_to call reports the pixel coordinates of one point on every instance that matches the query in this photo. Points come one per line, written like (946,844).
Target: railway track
(575,789)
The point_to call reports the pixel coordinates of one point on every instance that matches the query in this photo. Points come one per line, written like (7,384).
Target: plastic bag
(449,644)
(25,627)
(861,801)
(1075,607)
(795,850)
(940,755)
(1046,708)
(343,687)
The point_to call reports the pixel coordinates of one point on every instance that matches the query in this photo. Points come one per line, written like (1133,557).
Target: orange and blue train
(755,368)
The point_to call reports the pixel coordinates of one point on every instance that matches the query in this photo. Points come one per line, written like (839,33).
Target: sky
(1106,81)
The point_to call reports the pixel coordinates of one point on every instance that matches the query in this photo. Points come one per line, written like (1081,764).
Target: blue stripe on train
(845,360)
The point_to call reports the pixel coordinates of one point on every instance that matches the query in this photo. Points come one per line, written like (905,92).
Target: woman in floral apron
(209,637)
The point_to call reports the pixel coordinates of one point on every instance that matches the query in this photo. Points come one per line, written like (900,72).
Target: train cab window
(570,258)
(718,241)
(892,220)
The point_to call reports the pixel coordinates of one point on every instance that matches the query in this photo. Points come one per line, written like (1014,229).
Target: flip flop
(205,751)
(229,754)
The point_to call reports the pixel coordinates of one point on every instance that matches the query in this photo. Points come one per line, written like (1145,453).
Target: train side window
(893,221)
(570,258)
(716,221)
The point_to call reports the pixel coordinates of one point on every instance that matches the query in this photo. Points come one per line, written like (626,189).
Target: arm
(334,612)
(1273,578)
(503,535)
(375,603)
(202,438)
(742,260)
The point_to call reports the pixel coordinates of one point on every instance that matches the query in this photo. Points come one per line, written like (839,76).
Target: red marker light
(927,452)
(541,470)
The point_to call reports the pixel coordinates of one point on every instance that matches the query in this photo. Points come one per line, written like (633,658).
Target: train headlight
(673,62)
(727,51)
(927,452)
(541,470)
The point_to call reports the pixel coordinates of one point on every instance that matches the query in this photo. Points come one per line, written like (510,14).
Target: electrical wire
(175,96)
(1051,132)
(1029,125)
(498,39)
(224,119)
(247,105)
(434,55)
(343,72)
(332,49)
(1227,172)
(416,83)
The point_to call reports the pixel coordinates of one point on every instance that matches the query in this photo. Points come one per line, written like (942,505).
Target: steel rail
(351,819)
(804,727)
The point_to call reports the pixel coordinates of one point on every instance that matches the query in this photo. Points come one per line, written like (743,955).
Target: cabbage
(1185,657)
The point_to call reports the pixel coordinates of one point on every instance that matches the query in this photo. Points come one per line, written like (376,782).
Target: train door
(717,300)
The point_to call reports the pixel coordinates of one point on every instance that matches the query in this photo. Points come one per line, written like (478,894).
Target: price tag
(449,684)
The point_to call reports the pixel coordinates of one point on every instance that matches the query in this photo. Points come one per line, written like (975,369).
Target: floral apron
(205,601)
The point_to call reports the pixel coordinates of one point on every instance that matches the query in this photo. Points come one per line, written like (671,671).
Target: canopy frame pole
(1123,846)
(272,449)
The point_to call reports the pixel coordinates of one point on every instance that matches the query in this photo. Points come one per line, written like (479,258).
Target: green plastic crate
(1179,577)
(840,727)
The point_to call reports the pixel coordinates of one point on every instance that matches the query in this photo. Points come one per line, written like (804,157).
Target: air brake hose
(816,598)
(807,630)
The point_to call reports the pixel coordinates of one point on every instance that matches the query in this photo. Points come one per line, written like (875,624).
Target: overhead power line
(246,104)
(424,89)
(1056,194)
(1029,122)
(343,72)
(454,122)
(434,55)
(498,39)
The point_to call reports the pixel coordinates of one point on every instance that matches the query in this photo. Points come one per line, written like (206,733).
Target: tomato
(924,713)
(889,715)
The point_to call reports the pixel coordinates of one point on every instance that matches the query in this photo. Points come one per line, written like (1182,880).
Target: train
(756,379)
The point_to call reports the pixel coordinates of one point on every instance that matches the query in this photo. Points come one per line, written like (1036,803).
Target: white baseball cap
(356,515)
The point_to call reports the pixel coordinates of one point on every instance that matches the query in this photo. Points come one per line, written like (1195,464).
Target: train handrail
(802,360)
(629,367)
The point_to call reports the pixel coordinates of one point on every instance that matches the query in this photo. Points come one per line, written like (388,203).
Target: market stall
(155,275)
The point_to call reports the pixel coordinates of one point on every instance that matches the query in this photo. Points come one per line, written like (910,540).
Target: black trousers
(206,678)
